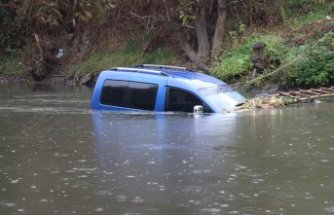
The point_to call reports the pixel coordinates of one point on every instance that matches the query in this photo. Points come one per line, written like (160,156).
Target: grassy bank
(126,55)
(11,65)
(299,54)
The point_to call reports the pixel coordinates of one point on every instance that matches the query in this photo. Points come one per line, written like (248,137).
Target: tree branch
(190,52)
(166,11)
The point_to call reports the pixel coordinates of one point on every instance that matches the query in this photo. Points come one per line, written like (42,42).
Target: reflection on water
(59,157)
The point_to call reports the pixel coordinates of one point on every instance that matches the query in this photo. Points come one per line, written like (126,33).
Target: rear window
(127,94)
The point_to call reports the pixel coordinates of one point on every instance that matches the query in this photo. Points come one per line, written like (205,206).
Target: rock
(259,58)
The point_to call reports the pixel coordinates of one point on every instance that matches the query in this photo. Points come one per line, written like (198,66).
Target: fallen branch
(268,102)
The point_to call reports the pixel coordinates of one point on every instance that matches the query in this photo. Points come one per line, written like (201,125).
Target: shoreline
(52,80)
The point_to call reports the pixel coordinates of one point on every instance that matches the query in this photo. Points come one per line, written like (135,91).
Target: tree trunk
(202,37)
(202,54)
(218,37)
(207,52)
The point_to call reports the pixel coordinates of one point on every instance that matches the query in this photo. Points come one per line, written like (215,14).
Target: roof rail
(131,69)
(161,66)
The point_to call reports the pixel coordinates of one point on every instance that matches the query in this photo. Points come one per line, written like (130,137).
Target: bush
(233,67)
(316,69)
(291,7)
(128,55)
(315,64)
(11,64)
(238,62)
(9,29)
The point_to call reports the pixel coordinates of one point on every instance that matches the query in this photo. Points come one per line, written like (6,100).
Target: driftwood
(267,102)
(304,95)
(286,98)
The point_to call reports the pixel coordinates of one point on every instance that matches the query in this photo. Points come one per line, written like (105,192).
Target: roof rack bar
(161,66)
(130,69)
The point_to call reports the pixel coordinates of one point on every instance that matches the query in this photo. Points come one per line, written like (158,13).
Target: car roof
(181,74)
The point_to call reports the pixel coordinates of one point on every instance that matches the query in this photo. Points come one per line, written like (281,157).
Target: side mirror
(198,109)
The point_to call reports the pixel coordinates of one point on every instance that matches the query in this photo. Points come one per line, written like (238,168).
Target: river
(59,157)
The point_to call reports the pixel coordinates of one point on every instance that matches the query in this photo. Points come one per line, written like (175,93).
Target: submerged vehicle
(161,88)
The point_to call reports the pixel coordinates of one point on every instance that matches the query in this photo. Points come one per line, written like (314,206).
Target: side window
(114,93)
(182,101)
(129,94)
(143,96)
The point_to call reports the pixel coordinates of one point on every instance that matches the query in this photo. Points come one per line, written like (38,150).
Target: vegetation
(299,55)
(10,37)
(128,55)
(309,64)
(10,64)
(83,36)
(237,63)
(316,68)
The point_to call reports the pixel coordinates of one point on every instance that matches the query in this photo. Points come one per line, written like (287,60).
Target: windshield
(222,97)
(215,90)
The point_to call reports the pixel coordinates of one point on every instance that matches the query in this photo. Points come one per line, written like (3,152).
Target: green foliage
(293,7)
(237,63)
(52,15)
(233,67)
(275,50)
(314,70)
(309,65)
(11,65)
(237,31)
(9,29)
(298,13)
(186,11)
(186,18)
(125,56)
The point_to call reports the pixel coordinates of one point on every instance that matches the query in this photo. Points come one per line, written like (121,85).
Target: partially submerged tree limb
(268,102)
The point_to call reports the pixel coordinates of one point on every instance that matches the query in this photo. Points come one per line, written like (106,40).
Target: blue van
(162,88)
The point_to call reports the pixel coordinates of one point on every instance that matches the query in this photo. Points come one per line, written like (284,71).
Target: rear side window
(182,101)
(129,94)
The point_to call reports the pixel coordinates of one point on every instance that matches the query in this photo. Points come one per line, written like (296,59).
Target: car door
(159,97)
(179,100)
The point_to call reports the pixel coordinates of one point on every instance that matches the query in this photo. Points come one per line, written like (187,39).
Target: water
(59,157)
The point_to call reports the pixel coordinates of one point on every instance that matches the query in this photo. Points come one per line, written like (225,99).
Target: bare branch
(167,11)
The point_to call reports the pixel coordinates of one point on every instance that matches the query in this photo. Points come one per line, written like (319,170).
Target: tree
(207,44)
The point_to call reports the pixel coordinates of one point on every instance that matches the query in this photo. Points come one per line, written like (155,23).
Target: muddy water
(59,157)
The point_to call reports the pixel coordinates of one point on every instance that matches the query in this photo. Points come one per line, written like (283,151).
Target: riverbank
(297,53)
